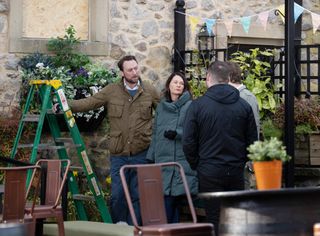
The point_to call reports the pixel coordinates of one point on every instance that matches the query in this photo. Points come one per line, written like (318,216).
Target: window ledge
(40,45)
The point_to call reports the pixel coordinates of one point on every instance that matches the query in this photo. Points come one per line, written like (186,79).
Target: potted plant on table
(267,157)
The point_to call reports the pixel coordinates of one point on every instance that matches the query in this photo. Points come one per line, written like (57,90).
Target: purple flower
(81,72)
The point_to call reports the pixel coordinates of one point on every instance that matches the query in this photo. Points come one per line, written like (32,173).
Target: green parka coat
(171,116)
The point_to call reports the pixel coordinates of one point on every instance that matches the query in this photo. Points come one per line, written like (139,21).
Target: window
(93,27)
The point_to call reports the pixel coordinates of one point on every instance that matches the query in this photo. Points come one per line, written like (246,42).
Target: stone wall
(145,28)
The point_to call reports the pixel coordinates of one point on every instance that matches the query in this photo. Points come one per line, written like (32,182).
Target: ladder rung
(64,140)
(41,146)
(48,146)
(29,145)
(50,112)
(83,197)
(31,118)
(76,168)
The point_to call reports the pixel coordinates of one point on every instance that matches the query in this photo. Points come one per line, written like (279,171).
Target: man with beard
(129,105)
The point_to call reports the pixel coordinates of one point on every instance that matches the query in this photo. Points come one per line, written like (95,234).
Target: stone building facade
(112,28)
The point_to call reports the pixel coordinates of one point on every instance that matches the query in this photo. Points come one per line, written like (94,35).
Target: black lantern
(205,40)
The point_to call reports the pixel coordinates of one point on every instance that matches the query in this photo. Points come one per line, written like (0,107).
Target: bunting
(297,11)
(193,22)
(263,17)
(210,23)
(315,21)
(246,20)
(281,10)
(229,24)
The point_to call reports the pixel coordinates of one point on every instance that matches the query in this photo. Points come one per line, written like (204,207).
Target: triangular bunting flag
(263,17)
(315,21)
(210,23)
(297,11)
(193,23)
(281,10)
(245,22)
(229,24)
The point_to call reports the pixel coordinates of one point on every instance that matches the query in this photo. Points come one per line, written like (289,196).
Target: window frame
(96,45)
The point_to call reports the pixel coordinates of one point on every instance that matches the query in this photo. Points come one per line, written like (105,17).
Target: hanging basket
(268,174)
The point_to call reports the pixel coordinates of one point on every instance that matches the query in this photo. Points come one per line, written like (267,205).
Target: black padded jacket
(219,127)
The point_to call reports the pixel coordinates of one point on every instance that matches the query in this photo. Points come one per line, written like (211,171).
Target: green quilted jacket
(170,116)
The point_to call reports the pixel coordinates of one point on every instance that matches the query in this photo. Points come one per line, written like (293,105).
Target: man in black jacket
(219,127)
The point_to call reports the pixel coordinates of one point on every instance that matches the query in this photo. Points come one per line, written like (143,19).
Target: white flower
(40,65)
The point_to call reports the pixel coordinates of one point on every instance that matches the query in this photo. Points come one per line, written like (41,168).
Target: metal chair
(15,195)
(57,171)
(152,206)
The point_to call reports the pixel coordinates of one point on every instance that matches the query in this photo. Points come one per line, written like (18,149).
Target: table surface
(254,193)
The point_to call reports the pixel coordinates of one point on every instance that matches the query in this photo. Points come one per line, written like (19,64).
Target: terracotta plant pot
(268,174)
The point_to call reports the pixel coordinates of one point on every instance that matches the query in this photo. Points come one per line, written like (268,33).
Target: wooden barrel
(284,212)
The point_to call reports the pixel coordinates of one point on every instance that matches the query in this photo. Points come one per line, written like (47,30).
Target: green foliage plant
(197,73)
(65,52)
(30,61)
(269,129)
(268,150)
(198,87)
(306,116)
(255,71)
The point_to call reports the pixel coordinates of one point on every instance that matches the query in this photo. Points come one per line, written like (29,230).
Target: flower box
(307,150)
(86,121)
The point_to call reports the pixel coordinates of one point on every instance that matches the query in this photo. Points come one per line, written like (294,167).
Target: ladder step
(50,112)
(31,118)
(42,146)
(64,140)
(83,197)
(48,146)
(76,168)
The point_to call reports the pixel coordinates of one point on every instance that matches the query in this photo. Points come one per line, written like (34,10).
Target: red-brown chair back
(56,175)
(15,192)
(151,192)
(53,181)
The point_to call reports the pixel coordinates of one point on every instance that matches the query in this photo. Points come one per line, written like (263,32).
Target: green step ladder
(50,91)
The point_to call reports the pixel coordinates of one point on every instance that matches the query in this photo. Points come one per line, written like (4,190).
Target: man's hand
(56,108)
(249,167)
(170,134)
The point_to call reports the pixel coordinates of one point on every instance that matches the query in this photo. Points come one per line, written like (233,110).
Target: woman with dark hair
(166,143)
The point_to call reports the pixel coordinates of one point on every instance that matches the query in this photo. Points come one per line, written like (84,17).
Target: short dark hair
(166,92)
(126,58)
(220,71)
(235,74)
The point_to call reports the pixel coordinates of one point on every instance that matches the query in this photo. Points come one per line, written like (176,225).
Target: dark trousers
(218,184)
(172,204)
(119,208)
